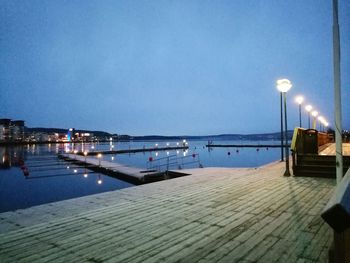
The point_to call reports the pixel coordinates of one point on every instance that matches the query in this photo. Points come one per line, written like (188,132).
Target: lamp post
(99,156)
(75,154)
(320,121)
(308,108)
(85,154)
(283,85)
(281,110)
(299,100)
(314,114)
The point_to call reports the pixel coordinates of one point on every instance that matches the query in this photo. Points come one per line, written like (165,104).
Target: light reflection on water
(51,179)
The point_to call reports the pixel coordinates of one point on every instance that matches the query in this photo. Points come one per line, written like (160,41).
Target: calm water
(51,179)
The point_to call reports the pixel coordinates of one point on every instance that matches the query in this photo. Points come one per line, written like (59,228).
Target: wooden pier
(214,215)
(124,172)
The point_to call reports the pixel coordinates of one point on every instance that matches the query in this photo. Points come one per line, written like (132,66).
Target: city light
(85,175)
(314,113)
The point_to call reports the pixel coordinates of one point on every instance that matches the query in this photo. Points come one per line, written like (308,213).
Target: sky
(169,67)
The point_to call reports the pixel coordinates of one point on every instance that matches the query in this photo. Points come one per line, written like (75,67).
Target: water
(51,179)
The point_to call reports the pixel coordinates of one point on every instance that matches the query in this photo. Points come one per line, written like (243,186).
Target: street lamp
(99,156)
(314,114)
(299,100)
(283,85)
(308,108)
(75,154)
(85,154)
(320,120)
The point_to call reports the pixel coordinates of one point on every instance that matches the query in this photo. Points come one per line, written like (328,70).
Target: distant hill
(220,137)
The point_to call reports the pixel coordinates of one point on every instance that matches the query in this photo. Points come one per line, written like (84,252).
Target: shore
(213,215)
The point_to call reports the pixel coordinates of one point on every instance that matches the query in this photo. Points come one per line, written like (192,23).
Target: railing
(174,162)
(337,215)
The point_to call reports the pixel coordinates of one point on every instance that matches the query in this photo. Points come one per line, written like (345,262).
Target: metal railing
(174,162)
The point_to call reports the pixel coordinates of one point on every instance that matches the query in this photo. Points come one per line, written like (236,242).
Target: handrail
(173,161)
(337,215)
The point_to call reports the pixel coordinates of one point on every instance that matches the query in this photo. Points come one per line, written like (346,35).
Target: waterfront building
(5,134)
(17,130)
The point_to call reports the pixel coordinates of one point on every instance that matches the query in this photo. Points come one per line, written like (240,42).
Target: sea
(33,174)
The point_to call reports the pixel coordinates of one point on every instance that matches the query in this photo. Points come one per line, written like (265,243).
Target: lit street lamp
(314,114)
(308,108)
(299,100)
(99,156)
(85,154)
(283,85)
(281,110)
(320,120)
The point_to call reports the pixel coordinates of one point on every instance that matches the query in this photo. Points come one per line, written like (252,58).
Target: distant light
(85,175)
(326,124)
(177,144)
(112,158)
(308,108)
(320,118)
(75,151)
(283,85)
(99,181)
(99,155)
(314,113)
(167,153)
(156,144)
(75,170)
(177,152)
(92,147)
(183,141)
(111,139)
(85,153)
(299,99)
(67,167)
(167,144)
(156,153)
(112,146)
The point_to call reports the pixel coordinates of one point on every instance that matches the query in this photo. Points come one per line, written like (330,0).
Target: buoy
(25,171)
(150,159)
(194,155)
(267,148)
(237,151)
(228,153)
(257,149)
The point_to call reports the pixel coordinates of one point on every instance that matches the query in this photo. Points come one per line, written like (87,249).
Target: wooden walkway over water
(214,215)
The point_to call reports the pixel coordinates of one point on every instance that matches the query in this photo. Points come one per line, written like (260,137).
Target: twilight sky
(168,67)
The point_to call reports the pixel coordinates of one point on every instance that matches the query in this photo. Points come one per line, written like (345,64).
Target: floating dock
(124,172)
(153,149)
(214,215)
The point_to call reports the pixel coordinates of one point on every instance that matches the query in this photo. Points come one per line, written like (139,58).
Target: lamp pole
(282,158)
(283,85)
(299,100)
(308,108)
(314,114)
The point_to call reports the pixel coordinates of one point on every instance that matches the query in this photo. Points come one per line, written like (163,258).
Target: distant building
(17,130)
(11,130)
(5,134)
(71,134)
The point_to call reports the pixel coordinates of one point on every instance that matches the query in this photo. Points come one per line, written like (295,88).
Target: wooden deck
(214,215)
(330,149)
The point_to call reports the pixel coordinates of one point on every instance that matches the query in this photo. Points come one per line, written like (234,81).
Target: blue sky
(168,67)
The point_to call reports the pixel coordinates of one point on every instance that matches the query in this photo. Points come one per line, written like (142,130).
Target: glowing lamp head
(85,153)
(320,118)
(85,175)
(314,113)
(308,108)
(99,155)
(99,181)
(283,85)
(299,99)
(75,151)
(326,124)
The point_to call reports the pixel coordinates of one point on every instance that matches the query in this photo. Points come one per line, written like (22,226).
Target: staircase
(313,165)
